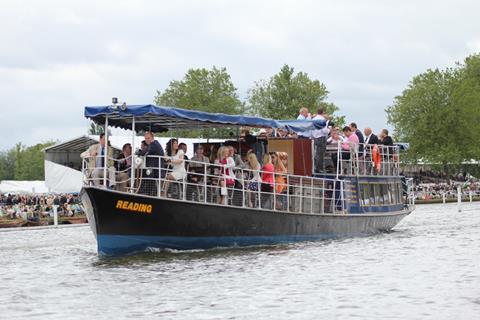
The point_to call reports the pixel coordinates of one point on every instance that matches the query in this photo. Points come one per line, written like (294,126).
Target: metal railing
(207,183)
(364,159)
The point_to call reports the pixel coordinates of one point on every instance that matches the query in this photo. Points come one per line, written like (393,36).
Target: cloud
(57,56)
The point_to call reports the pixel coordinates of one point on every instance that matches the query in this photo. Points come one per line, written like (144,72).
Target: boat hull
(125,223)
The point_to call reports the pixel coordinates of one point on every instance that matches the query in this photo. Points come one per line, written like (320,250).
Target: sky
(58,56)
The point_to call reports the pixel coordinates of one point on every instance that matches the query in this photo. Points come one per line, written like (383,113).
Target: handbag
(223,191)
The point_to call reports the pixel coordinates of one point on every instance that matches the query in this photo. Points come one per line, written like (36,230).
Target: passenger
(123,165)
(96,162)
(384,138)
(280,181)
(320,142)
(370,137)
(334,137)
(183,146)
(236,157)
(198,166)
(268,171)
(350,143)
(154,154)
(177,163)
(387,141)
(254,179)
(359,134)
(303,114)
(227,177)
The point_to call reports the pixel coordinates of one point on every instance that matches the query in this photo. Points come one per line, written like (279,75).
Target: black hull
(185,225)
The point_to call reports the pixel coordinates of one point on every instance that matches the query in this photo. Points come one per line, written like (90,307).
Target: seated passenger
(96,163)
(123,165)
(177,163)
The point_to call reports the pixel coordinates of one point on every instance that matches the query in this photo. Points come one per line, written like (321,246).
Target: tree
(285,93)
(438,115)
(96,129)
(23,163)
(204,90)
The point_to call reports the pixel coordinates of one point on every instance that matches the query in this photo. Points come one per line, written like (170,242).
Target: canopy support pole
(105,155)
(132,162)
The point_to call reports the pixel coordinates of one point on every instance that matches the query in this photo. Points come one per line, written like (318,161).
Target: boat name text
(134,206)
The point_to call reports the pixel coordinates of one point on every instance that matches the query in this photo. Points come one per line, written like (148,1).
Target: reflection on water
(428,267)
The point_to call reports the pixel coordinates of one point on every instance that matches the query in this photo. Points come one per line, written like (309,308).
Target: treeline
(439,115)
(279,97)
(23,163)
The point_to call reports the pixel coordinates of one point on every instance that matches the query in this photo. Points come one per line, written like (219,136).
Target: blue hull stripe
(119,244)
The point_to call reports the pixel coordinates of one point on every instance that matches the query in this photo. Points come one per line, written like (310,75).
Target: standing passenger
(267,182)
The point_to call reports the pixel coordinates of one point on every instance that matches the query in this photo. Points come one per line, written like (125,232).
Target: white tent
(11,186)
(62,179)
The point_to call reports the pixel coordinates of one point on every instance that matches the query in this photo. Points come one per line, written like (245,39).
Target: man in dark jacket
(385,139)
(359,134)
(370,137)
(152,163)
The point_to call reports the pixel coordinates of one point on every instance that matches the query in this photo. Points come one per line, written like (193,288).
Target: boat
(364,195)
(12,223)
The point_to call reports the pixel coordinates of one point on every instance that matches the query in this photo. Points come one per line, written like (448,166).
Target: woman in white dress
(254,179)
(176,162)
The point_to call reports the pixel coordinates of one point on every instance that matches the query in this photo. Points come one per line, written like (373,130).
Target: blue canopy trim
(160,118)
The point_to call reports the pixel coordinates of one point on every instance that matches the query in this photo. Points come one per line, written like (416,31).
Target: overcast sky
(58,56)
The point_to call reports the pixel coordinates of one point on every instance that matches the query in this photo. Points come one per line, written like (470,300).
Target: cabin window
(384,188)
(372,194)
(378,194)
(391,194)
(365,194)
(399,193)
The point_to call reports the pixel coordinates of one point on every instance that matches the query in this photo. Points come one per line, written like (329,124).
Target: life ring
(376,158)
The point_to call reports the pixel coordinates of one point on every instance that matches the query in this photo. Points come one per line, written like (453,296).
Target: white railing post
(443,197)
(288,193)
(105,153)
(132,161)
(159,182)
(274,193)
(459,198)
(342,196)
(311,195)
(243,188)
(204,183)
(259,186)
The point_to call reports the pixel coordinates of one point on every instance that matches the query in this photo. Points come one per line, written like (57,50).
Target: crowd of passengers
(266,174)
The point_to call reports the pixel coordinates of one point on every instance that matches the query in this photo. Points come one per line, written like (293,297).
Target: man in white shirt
(303,114)
(97,154)
(320,140)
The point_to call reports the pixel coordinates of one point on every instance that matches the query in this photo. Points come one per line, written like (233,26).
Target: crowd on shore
(429,191)
(36,206)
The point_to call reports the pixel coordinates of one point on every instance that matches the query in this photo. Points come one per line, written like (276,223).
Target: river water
(428,268)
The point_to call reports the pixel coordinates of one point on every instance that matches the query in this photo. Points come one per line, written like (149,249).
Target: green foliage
(23,163)
(96,129)
(285,93)
(203,90)
(438,114)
